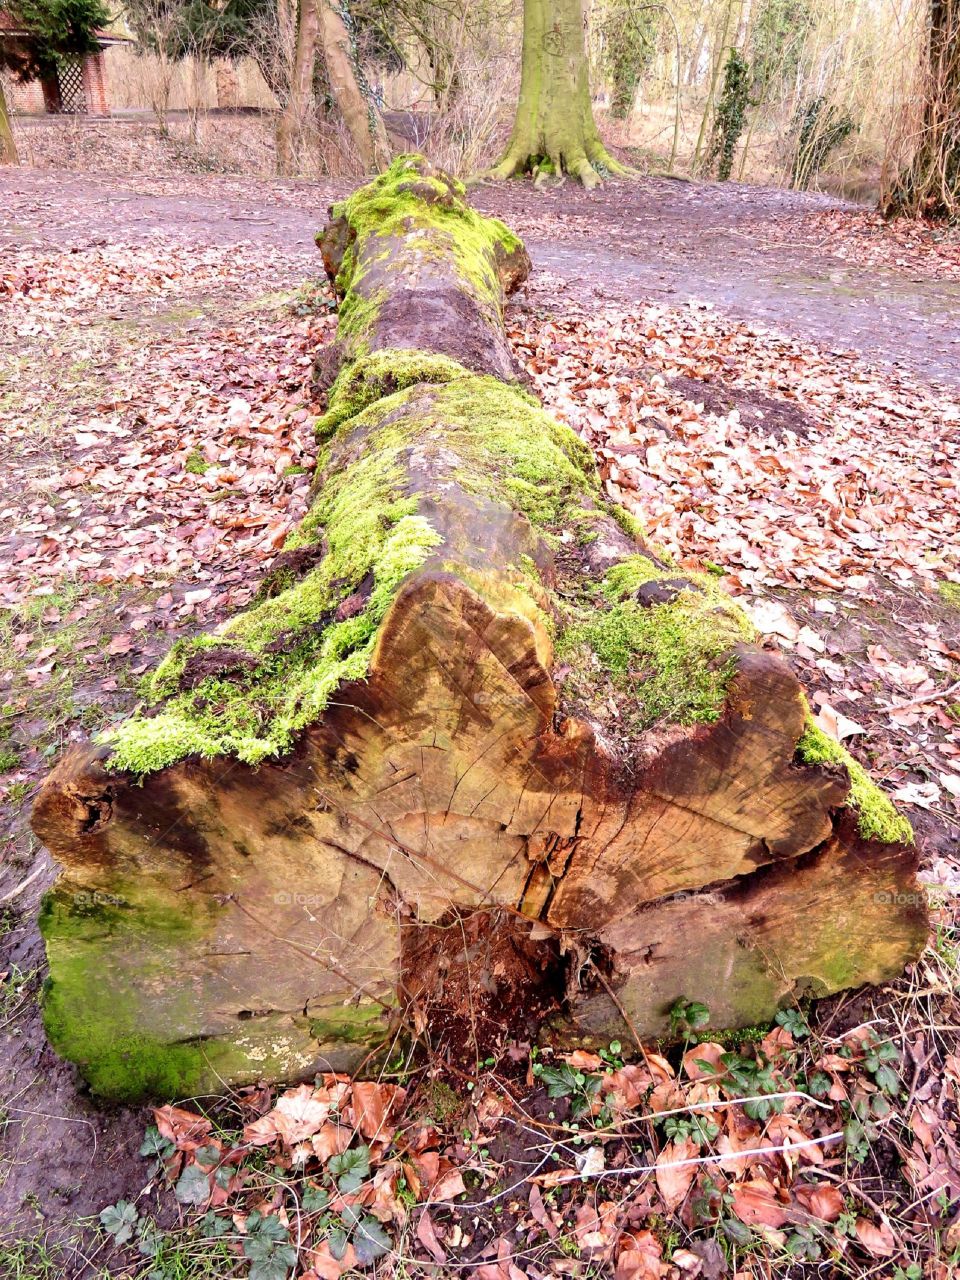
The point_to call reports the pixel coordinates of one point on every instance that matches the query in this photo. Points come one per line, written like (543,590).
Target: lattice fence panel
(73,99)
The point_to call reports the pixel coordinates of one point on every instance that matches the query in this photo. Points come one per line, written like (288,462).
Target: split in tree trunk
(554,131)
(479,763)
(8,146)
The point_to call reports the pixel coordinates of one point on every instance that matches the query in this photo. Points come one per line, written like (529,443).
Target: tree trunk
(293,117)
(478,765)
(8,146)
(930,186)
(360,116)
(554,130)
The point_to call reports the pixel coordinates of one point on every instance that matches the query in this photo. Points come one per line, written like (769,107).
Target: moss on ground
(949,592)
(672,660)
(877,817)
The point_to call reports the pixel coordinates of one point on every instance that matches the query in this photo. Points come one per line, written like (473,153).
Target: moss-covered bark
(554,131)
(470,695)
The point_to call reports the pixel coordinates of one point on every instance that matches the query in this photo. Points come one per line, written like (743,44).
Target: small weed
(196,464)
(9,759)
(564,1081)
(16,793)
(687,1016)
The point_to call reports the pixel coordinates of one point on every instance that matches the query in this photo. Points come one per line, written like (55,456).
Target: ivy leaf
(208,1156)
(315,1199)
(193,1186)
(337,1240)
(213,1225)
(263,1239)
(370,1241)
(793,1021)
(119,1220)
(155,1144)
(351,1169)
(888,1080)
(276,1267)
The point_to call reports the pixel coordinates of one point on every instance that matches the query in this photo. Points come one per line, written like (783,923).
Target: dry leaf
(427,1235)
(756,1204)
(877,1240)
(823,1201)
(674,1182)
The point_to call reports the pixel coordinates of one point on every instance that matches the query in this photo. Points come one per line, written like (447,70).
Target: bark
(554,130)
(479,765)
(8,146)
(930,185)
(360,116)
(296,109)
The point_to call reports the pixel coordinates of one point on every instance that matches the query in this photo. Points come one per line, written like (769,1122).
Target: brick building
(79,85)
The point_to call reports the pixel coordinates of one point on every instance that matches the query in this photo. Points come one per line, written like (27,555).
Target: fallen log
(480,763)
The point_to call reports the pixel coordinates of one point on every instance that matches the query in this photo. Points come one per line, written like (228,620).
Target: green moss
(197,464)
(950,593)
(379,374)
(628,522)
(348,1024)
(9,759)
(357,316)
(877,818)
(103,1026)
(391,205)
(674,659)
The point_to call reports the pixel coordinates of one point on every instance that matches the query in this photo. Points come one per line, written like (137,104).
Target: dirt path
(735,247)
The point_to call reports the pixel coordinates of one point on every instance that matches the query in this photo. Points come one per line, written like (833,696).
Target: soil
(63,1157)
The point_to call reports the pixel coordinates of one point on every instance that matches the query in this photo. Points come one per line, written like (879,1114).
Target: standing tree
(350,93)
(8,145)
(930,185)
(46,31)
(554,130)
(296,106)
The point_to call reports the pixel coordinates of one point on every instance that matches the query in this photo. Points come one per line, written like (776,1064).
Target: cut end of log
(478,764)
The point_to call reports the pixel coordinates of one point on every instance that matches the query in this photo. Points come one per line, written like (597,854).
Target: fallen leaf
(674,1181)
(877,1240)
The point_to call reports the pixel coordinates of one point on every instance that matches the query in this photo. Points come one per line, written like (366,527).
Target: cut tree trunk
(479,764)
(554,131)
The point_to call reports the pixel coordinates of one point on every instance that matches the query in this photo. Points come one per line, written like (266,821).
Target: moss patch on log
(672,657)
(374,376)
(877,817)
(101,1025)
(405,200)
